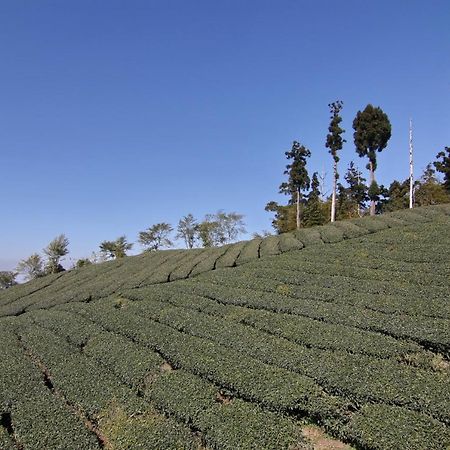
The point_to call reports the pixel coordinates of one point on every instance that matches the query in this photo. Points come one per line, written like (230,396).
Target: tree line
(214,230)
(308,205)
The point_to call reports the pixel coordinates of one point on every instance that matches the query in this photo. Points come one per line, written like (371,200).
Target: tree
(357,190)
(156,236)
(313,213)
(32,267)
(398,196)
(230,226)
(55,251)
(334,143)
(428,190)
(443,165)
(188,230)
(285,217)
(372,133)
(207,232)
(116,249)
(298,179)
(7,279)
(220,228)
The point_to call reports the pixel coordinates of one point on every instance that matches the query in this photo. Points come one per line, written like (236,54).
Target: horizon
(118,117)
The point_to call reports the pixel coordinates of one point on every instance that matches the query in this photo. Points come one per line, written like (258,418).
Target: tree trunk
(333,195)
(372,180)
(298,209)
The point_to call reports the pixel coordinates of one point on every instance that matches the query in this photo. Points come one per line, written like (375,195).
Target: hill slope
(346,326)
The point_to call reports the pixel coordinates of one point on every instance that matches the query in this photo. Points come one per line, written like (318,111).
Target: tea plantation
(345,326)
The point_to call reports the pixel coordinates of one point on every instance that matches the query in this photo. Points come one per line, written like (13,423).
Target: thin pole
(411,167)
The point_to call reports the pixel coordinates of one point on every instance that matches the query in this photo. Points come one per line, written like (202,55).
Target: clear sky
(115,115)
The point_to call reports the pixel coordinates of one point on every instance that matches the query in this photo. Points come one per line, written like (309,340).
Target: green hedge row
(430,332)
(392,428)
(96,392)
(299,329)
(82,381)
(393,383)
(208,263)
(39,418)
(129,361)
(185,265)
(390,298)
(249,378)
(261,430)
(228,259)
(270,246)
(226,423)
(249,252)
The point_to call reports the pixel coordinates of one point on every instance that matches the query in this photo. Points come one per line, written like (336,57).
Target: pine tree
(314,213)
(372,133)
(298,179)
(334,143)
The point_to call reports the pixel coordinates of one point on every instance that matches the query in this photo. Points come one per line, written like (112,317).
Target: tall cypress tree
(372,133)
(334,143)
(298,179)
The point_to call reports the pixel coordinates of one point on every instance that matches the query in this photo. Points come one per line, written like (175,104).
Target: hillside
(345,326)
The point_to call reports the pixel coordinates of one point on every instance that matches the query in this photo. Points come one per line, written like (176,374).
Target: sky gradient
(115,115)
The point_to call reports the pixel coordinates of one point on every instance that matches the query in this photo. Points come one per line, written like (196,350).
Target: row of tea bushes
(38,418)
(430,332)
(395,383)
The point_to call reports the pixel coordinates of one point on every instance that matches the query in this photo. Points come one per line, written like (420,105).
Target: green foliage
(188,230)
(156,236)
(83,262)
(412,431)
(298,179)
(351,200)
(249,252)
(315,210)
(220,228)
(116,249)
(285,216)
(32,267)
(372,133)
(442,164)
(429,191)
(398,196)
(338,324)
(7,279)
(225,422)
(334,140)
(57,249)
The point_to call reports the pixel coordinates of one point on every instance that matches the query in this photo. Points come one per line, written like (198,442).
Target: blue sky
(115,115)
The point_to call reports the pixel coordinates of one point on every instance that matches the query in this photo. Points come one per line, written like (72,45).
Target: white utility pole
(411,167)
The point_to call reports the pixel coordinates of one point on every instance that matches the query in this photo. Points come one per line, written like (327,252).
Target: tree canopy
(372,133)
(442,164)
(32,267)
(7,279)
(116,249)
(156,236)
(188,230)
(298,178)
(55,250)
